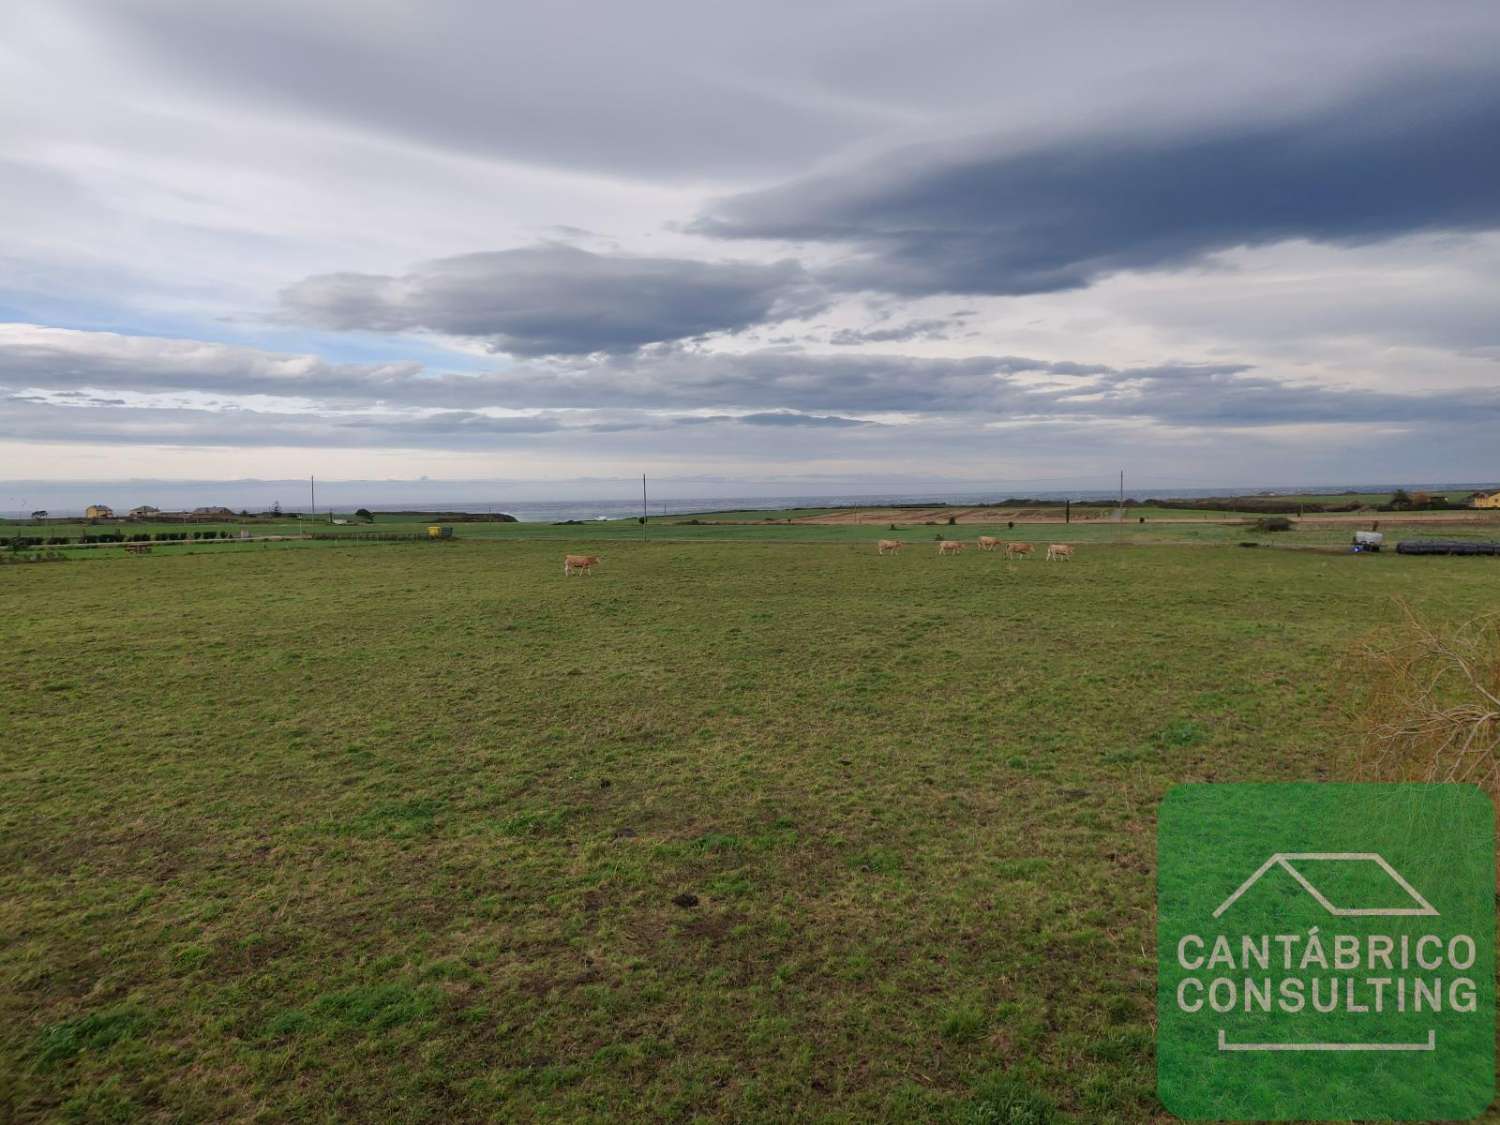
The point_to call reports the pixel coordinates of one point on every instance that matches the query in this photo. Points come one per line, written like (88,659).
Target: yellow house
(98,512)
(1485,500)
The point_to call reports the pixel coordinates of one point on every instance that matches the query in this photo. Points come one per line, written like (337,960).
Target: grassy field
(1142,526)
(730,831)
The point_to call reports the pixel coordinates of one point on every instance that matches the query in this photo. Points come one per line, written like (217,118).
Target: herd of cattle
(1060,552)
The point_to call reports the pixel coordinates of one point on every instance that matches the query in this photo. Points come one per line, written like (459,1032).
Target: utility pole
(312,496)
(1120,511)
(643,507)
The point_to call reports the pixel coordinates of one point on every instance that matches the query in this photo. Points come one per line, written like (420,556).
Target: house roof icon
(1284,860)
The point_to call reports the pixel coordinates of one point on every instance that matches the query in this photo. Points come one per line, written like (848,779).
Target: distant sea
(542,511)
(555,510)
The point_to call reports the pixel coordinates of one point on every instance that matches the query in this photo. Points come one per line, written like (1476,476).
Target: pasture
(750,831)
(918,528)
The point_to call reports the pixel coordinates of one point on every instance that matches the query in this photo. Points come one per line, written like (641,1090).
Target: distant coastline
(125,496)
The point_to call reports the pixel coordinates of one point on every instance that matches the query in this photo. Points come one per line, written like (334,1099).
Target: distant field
(1457,496)
(730,831)
(1141,526)
(1081,513)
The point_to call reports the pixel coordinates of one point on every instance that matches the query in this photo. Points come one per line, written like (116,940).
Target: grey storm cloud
(791,418)
(782,379)
(1215,395)
(929,328)
(27,416)
(30,418)
(620,87)
(777,418)
(769,388)
(1407,155)
(553,299)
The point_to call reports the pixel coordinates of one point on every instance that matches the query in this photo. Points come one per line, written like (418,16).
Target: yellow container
(437,532)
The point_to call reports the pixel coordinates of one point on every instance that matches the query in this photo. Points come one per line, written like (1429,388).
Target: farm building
(213,513)
(144,511)
(1485,499)
(98,512)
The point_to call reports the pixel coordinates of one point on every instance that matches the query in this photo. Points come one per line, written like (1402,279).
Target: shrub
(1273,523)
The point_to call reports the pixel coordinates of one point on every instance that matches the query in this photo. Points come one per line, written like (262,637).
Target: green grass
(750,831)
(1141,527)
(1456,495)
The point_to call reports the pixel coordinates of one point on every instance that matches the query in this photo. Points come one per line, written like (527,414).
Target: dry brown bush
(1425,704)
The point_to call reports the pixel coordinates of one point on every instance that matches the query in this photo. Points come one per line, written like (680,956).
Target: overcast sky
(1018,244)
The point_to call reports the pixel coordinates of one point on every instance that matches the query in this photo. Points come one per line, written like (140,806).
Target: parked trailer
(1447,547)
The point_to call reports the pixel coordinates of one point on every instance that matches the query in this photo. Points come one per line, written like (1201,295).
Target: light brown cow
(580,564)
(889,546)
(1017,550)
(1063,552)
(988,542)
(949,546)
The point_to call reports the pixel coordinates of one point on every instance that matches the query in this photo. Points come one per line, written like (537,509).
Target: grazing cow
(988,542)
(580,564)
(889,546)
(1017,550)
(1063,552)
(949,546)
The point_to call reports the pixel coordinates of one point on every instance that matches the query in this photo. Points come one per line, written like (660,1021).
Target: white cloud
(170,167)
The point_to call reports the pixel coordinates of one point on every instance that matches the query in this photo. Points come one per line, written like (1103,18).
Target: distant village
(147,512)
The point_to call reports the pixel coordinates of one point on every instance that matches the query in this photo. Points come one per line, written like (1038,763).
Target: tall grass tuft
(1426,706)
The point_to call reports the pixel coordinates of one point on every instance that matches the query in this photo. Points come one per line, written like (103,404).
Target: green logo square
(1326,951)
